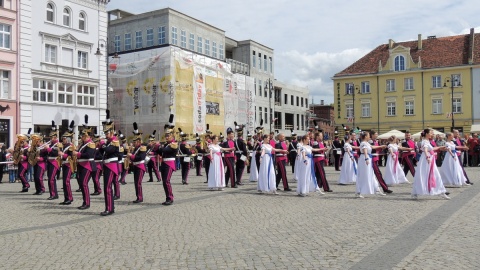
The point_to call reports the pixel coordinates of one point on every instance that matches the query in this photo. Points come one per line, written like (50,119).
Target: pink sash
(431,173)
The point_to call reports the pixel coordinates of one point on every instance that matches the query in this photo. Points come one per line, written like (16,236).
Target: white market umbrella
(400,135)
(435,132)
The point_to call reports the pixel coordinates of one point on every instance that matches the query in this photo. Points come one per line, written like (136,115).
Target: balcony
(238,67)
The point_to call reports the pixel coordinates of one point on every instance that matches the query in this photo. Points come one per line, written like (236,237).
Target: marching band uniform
(200,156)
(292,151)
(408,157)
(249,151)
(152,164)
(169,154)
(229,160)
(318,160)
(185,154)
(122,155)
(86,164)
(23,162)
(281,160)
(98,167)
(337,152)
(252,166)
(39,168)
(109,151)
(241,154)
(138,160)
(66,169)
(52,164)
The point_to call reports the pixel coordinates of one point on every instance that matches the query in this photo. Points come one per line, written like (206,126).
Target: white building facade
(61,77)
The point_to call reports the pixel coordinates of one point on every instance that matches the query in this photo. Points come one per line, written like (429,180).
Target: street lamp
(351,91)
(99,54)
(269,86)
(454,81)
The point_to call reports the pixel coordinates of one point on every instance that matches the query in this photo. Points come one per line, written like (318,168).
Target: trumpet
(43,145)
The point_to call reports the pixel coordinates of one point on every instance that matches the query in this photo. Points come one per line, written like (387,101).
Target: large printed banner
(199,104)
(239,90)
(250,94)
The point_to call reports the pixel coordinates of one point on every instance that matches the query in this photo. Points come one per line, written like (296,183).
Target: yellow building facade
(409,86)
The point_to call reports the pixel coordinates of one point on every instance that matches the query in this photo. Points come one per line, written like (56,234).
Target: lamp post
(454,81)
(351,91)
(269,86)
(99,54)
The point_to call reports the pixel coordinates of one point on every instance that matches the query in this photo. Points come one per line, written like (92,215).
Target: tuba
(72,159)
(17,152)
(33,154)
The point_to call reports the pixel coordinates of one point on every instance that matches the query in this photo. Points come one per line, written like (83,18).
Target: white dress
(306,181)
(216,174)
(253,169)
(297,162)
(348,173)
(266,175)
(451,172)
(394,174)
(422,173)
(366,180)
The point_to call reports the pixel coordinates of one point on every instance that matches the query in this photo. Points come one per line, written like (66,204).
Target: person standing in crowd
(229,158)
(305,170)
(427,180)
(319,160)
(241,154)
(52,163)
(281,160)
(207,158)
(169,153)
(86,163)
(337,152)
(98,167)
(137,157)
(366,183)
(11,167)
(439,141)
(3,158)
(266,178)
(459,146)
(348,174)
(377,149)
(20,158)
(464,154)
(67,164)
(292,150)
(200,153)
(393,172)
(216,178)
(152,164)
(39,163)
(355,143)
(185,156)
(451,171)
(473,150)
(409,156)
(253,160)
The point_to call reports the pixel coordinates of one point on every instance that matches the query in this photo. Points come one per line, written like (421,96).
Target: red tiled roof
(437,52)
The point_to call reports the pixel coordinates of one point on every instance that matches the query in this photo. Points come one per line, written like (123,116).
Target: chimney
(419,45)
(390,43)
(471,46)
(321,102)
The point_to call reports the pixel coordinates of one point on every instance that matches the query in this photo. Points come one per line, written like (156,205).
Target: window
(259,112)
(391,109)
(82,21)
(65,93)
(456,80)
(192,42)
(408,83)
(297,102)
(349,110)
(365,109)
(128,41)
(265,120)
(271,65)
(399,63)
(254,63)
(199,45)
(303,122)
(174,35)
(265,63)
(50,54)
(66,17)
(260,87)
(150,37)
(43,90)
(390,85)
(222,52)
(82,59)
(67,57)
(117,43)
(348,88)
(437,106)
(291,100)
(50,12)
(4,84)
(409,108)
(301,101)
(457,105)
(437,81)
(260,61)
(207,47)
(285,96)
(306,102)
(85,95)
(161,35)
(183,39)
(214,49)
(365,87)
(5,36)
(138,40)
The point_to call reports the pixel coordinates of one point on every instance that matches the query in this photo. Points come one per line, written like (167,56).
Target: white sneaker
(443,195)
(408,182)
(275,192)
(381,193)
(466,184)
(321,192)
(358,195)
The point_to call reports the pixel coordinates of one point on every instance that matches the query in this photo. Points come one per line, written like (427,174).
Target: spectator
(473,150)
(12,169)
(3,158)
(440,141)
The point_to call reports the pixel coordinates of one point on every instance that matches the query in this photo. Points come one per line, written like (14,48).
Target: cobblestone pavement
(242,229)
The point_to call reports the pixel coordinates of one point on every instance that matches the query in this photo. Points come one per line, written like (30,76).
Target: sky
(315,39)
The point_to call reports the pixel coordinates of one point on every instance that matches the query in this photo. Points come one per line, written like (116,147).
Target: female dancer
(266,175)
(306,181)
(348,174)
(451,172)
(216,174)
(366,181)
(427,180)
(393,172)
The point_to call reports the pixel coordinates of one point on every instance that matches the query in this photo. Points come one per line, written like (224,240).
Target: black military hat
(169,127)
(208,130)
(108,125)
(86,130)
(69,133)
(294,135)
(137,135)
(183,135)
(54,129)
(121,136)
(152,136)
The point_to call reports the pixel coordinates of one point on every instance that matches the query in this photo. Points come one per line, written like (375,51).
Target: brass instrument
(72,159)
(59,146)
(43,145)
(17,152)
(126,161)
(33,154)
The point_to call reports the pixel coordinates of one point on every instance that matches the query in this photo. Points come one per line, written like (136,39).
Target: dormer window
(399,63)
